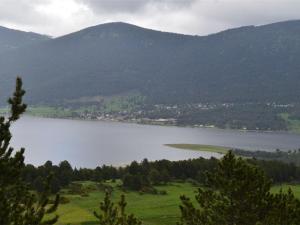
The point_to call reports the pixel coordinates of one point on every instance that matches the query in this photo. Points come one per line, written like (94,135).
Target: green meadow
(151,209)
(294,187)
(293,125)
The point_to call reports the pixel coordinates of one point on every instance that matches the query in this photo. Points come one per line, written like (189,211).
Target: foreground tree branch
(18,205)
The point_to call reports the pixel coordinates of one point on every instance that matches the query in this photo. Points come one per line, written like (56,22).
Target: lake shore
(60,113)
(158,123)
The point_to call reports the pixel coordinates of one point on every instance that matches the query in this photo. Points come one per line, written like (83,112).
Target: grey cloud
(132,6)
(21,11)
(248,12)
(181,16)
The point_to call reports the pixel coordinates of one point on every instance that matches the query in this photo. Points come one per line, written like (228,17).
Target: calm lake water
(91,143)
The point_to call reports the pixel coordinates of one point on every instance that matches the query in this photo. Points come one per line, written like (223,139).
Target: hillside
(247,64)
(13,39)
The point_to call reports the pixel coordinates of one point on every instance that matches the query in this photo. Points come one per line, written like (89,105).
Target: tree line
(290,156)
(142,176)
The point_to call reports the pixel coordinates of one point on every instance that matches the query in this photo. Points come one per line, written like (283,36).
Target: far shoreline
(165,125)
(141,121)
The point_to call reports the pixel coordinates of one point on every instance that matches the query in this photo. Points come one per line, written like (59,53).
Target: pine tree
(285,210)
(18,205)
(238,193)
(115,215)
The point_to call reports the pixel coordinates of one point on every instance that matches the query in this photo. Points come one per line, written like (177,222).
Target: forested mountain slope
(247,64)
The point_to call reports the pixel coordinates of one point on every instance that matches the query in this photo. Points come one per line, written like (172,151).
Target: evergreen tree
(165,176)
(285,210)
(133,182)
(155,176)
(65,173)
(238,193)
(18,206)
(115,215)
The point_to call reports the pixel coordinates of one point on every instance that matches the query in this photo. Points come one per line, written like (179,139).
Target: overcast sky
(59,17)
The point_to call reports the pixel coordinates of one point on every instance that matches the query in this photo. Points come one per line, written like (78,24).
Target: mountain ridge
(11,39)
(247,64)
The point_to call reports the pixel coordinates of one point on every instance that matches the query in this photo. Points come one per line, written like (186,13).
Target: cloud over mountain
(56,17)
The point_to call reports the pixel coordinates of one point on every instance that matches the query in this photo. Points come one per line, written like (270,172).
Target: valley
(149,112)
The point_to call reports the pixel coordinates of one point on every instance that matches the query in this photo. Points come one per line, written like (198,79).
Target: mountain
(13,39)
(247,64)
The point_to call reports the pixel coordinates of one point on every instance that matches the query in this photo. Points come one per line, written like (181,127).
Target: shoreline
(164,125)
(221,150)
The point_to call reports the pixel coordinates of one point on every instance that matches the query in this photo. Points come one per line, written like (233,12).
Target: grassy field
(4,110)
(285,187)
(198,147)
(44,111)
(48,112)
(151,209)
(293,125)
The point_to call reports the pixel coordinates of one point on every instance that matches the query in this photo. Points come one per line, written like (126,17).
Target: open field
(293,125)
(199,147)
(295,188)
(48,112)
(44,111)
(151,209)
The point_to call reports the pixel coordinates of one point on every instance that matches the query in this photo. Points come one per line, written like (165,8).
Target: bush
(64,200)
(162,192)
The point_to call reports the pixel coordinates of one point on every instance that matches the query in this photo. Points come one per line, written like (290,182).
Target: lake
(93,143)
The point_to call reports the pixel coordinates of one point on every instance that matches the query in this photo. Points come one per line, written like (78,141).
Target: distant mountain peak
(118,24)
(111,26)
(117,30)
